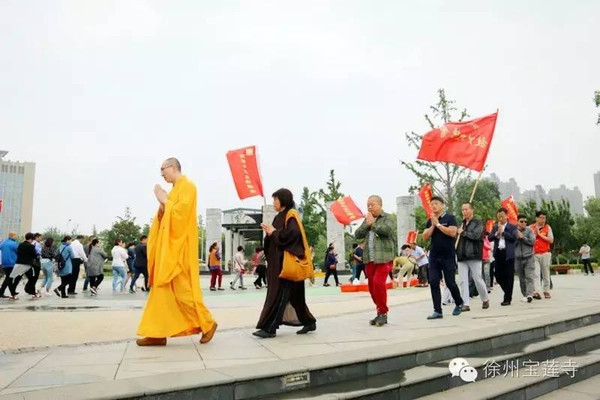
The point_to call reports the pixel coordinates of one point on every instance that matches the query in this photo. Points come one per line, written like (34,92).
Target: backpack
(60,260)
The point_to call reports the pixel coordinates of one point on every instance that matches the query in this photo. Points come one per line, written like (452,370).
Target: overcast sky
(98,93)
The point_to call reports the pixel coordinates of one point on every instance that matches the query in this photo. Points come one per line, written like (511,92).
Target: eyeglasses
(523,221)
(165,167)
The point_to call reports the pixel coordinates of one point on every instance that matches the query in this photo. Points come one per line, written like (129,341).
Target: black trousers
(331,272)
(95,281)
(261,270)
(32,278)
(12,285)
(360,268)
(422,274)
(139,271)
(76,262)
(445,268)
(64,282)
(587,264)
(505,274)
(6,281)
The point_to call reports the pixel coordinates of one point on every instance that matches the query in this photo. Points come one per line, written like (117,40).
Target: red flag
(511,207)
(461,143)
(0,206)
(425,194)
(345,211)
(244,169)
(489,225)
(411,237)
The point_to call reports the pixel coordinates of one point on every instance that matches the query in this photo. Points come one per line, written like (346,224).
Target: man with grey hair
(469,253)
(379,232)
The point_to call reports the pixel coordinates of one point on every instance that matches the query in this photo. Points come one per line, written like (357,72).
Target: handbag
(294,268)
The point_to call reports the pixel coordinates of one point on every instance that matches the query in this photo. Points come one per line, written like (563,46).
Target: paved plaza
(55,342)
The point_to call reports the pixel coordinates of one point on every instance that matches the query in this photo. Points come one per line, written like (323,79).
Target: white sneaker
(524,300)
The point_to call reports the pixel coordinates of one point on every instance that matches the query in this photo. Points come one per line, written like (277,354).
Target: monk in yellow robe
(174,306)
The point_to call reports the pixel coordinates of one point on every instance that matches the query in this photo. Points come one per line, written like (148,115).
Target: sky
(98,93)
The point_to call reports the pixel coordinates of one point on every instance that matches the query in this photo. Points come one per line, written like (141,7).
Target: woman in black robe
(285,303)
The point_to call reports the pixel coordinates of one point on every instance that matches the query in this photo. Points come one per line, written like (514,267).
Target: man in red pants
(378,230)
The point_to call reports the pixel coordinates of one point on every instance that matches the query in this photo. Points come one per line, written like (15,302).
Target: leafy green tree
(559,217)
(587,228)
(442,176)
(54,233)
(333,189)
(486,201)
(123,228)
(312,216)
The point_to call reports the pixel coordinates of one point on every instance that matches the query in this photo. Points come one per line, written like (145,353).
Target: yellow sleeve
(169,235)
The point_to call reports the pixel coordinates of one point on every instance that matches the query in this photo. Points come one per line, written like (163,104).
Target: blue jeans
(48,267)
(119,276)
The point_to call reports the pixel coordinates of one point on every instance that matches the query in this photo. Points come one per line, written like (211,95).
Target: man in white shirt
(239,266)
(585,253)
(79,259)
(422,261)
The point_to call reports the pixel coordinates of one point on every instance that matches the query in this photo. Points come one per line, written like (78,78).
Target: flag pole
(471,199)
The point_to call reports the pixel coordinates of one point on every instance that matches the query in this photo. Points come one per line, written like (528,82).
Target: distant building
(510,188)
(597,184)
(573,196)
(16,192)
(539,194)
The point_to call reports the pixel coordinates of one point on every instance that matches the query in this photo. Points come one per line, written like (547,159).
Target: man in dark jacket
(504,236)
(140,264)
(469,254)
(26,256)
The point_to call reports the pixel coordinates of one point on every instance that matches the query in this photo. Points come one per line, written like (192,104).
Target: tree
(123,228)
(313,207)
(442,176)
(333,189)
(486,201)
(597,102)
(312,216)
(587,228)
(558,216)
(54,233)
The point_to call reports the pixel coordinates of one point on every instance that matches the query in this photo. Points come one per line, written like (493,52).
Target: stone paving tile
(24,390)
(236,362)
(175,351)
(225,350)
(93,357)
(285,352)
(131,369)
(65,375)
(9,375)
(96,348)
(12,366)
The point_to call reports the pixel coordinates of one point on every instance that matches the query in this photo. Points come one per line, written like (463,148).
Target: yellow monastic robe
(175,306)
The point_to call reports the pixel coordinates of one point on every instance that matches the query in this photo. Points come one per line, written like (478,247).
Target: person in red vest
(541,249)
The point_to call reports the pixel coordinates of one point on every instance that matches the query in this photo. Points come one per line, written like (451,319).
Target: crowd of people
(171,268)
(36,256)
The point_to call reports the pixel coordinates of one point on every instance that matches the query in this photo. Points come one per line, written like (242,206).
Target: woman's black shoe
(263,334)
(307,328)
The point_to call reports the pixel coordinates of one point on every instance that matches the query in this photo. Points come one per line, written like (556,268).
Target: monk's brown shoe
(207,337)
(148,341)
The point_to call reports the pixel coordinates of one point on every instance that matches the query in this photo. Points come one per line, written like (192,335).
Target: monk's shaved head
(377,199)
(174,162)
